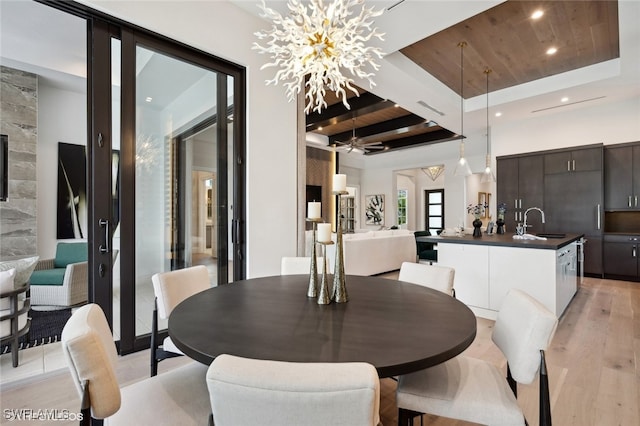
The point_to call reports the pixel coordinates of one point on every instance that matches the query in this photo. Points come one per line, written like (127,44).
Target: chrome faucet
(524,225)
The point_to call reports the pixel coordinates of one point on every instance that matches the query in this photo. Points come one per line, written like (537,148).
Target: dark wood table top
(396,326)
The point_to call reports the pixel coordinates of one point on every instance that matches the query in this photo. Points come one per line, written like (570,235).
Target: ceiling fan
(357,144)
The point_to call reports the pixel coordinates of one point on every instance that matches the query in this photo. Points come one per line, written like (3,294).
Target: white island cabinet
(486,268)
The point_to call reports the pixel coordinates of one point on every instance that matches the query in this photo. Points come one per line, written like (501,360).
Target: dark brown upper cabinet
(622,177)
(578,160)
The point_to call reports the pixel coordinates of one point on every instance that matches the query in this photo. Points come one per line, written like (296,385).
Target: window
(434,209)
(402,207)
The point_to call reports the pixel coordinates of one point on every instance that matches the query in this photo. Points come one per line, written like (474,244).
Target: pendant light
(488,175)
(462,167)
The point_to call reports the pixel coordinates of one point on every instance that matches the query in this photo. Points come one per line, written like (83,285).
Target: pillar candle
(313,210)
(339,183)
(324,232)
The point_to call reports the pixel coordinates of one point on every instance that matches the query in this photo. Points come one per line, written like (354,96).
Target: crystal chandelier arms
(320,44)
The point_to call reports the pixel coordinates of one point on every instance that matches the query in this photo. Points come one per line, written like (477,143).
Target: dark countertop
(505,240)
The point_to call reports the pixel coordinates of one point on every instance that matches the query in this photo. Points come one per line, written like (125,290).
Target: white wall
(224,30)
(607,124)
(62,117)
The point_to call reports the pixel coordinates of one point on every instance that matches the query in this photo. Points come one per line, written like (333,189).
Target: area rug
(46,327)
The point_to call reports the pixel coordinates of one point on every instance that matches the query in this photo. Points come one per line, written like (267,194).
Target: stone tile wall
(19,121)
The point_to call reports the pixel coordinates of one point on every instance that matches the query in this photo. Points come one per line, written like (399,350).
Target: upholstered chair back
(251,392)
(67,253)
(91,355)
(173,287)
(433,276)
(523,328)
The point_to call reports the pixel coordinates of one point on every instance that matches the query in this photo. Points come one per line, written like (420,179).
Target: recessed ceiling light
(565,99)
(551,50)
(148,99)
(498,114)
(537,14)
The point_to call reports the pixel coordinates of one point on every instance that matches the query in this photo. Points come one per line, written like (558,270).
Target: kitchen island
(487,267)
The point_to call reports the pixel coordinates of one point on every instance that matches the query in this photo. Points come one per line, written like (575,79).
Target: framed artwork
(374,210)
(72,191)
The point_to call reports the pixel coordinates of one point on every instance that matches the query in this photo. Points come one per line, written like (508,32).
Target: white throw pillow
(24,268)
(6,285)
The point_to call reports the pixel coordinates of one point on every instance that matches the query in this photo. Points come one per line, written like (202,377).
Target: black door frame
(101,28)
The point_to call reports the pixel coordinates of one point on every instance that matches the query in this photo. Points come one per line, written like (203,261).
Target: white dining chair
(178,397)
(171,288)
(247,391)
(433,276)
(474,390)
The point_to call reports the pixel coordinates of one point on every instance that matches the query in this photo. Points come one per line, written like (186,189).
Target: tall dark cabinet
(520,181)
(622,177)
(622,211)
(573,197)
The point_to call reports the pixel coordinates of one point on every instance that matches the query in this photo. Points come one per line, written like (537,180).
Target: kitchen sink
(551,235)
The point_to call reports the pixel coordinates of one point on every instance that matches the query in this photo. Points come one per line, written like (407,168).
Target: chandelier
(325,45)
(433,172)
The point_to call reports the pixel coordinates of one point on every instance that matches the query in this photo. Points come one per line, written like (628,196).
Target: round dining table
(396,326)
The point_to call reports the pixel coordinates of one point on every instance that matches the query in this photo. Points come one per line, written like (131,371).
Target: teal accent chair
(63,280)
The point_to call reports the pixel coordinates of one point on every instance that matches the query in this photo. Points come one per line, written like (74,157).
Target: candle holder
(324,298)
(312,291)
(339,292)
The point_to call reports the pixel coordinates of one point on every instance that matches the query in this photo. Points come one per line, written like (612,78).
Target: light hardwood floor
(593,366)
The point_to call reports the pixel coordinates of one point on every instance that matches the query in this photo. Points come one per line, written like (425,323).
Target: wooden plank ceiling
(505,39)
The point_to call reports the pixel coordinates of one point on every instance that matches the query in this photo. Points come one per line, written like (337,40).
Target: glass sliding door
(181,174)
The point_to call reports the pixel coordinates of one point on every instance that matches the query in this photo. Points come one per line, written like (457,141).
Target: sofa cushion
(67,253)
(6,285)
(24,268)
(48,277)
(401,232)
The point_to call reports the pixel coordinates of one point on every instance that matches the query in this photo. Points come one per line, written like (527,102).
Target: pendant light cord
(487,71)
(462,44)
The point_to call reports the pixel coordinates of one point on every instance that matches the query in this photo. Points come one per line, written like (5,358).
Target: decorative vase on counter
(500,224)
(477,224)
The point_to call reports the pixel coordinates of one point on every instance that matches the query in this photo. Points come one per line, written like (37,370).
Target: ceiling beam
(375,131)
(366,103)
(438,136)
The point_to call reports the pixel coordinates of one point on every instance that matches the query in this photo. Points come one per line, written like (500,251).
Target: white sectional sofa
(375,252)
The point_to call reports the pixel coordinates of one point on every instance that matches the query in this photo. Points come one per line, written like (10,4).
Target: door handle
(629,201)
(104,223)
(599,216)
(634,251)
(568,165)
(636,201)
(573,162)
